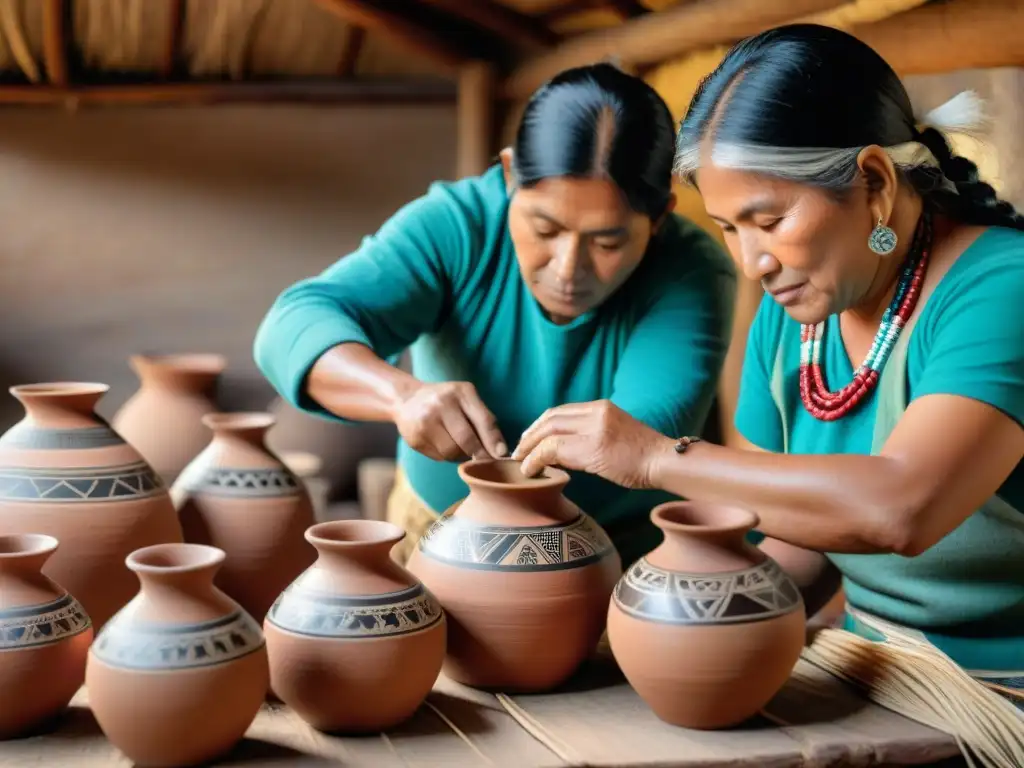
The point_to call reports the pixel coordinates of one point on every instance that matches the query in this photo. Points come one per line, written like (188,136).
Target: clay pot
(64,472)
(162,419)
(238,496)
(44,637)
(356,642)
(179,674)
(523,575)
(706,627)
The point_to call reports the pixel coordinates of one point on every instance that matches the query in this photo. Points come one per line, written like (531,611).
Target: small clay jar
(179,674)
(162,419)
(65,473)
(706,627)
(44,637)
(523,575)
(238,496)
(356,642)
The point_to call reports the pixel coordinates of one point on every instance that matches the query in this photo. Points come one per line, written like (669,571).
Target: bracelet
(685,442)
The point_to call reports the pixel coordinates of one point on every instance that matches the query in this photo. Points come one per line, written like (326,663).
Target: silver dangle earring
(882,239)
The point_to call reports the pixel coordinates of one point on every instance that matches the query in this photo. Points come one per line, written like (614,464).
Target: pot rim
(184,557)
(735,519)
(30,544)
(60,389)
(550,477)
(238,420)
(361,532)
(191,362)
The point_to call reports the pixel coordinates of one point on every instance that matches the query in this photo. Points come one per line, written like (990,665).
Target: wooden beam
(656,37)
(476,105)
(507,23)
(377,17)
(175,34)
(55,48)
(376,91)
(628,9)
(942,37)
(355,37)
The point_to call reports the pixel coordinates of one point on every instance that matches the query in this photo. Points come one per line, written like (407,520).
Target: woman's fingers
(461,431)
(484,423)
(553,422)
(545,453)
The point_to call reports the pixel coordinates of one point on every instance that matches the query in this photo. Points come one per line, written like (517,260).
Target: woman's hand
(449,422)
(598,438)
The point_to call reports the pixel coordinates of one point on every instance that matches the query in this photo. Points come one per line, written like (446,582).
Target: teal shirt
(967,341)
(441,278)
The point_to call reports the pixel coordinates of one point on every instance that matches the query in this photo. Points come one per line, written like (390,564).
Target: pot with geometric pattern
(44,637)
(66,473)
(706,627)
(177,676)
(355,642)
(239,496)
(523,575)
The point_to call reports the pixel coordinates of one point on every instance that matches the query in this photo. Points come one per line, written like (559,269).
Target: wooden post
(476,104)
(55,42)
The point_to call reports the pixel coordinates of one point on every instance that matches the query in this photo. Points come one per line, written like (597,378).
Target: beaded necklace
(830,406)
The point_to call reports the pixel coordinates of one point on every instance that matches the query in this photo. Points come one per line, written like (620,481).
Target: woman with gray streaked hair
(902,474)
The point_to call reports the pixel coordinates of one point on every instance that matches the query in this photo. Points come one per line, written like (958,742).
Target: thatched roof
(52,50)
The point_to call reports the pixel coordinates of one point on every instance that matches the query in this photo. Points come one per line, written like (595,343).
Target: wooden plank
(55,54)
(509,24)
(322,92)
(656,37)
(376,17)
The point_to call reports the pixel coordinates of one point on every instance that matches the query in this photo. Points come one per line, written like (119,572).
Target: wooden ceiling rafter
(658,37)
(512,25)
(170,60)
(418,27)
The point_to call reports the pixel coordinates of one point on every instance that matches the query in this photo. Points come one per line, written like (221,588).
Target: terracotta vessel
(706,627)
(162,419)
(178,675)
(356,642)
(523,575)
(240,497)
(44,637)
(64,472)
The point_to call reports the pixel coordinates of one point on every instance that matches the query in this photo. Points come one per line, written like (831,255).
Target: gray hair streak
(833,167)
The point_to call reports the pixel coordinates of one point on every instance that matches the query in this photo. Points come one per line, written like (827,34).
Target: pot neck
(244,429)
(197,374)
(60,404)
(358,552)
(499,485)
(24,555)
(169,572)
(704,539)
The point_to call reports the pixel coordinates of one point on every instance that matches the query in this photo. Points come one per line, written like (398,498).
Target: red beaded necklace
(829,406)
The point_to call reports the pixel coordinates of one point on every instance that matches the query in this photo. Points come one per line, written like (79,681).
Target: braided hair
(801,101)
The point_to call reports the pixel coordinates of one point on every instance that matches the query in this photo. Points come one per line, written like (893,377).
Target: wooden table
(596,721)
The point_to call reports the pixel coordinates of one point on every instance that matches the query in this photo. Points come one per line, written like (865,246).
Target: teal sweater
(441,278)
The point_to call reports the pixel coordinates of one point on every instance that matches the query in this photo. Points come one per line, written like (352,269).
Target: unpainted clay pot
(238,496)
(356,642)
(162,420)
(65,473)
(706,627)
(523,575)
(45,635)
(179,674)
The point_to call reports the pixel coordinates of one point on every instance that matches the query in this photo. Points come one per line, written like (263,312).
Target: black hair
(598,121)
(810,87)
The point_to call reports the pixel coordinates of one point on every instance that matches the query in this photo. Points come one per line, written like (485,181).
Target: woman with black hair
(874,242)
(560,275)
